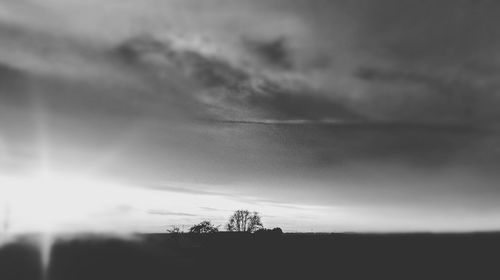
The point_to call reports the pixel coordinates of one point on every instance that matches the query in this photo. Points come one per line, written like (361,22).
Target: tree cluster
(204,227)
(240,221)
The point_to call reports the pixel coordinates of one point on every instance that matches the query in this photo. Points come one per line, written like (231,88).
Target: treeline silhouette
(241,221)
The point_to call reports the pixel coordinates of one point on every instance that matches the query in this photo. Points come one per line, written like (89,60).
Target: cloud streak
(170,213)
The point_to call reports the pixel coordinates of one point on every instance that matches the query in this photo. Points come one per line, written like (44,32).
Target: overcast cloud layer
(384,108)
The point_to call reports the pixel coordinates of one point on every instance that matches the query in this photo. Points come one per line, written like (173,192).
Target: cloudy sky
(375,115)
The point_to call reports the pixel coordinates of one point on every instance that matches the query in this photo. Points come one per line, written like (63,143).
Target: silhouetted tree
(204,227)
(174,230)
(270,234)
(244,221)
(274,231)
(277,230)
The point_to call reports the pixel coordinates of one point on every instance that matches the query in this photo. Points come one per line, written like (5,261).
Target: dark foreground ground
(288,256)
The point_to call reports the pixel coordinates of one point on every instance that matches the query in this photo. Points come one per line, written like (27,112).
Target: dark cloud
(208,71)
(432,81)
(462,96)
(228,88)
(431,31)
(10,77)
(304,129)
(285,103)
(483,68)
(13,85)
(73,77)
(419,60)
(274,53)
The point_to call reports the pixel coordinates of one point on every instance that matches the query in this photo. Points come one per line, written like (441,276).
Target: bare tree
(174,230)
(204,227)
(244,221)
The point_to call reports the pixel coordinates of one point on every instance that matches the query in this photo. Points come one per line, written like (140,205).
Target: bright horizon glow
(67,203)
(44,202)
(64,203)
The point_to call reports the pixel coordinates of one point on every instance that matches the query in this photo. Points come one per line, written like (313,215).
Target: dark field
(242,256)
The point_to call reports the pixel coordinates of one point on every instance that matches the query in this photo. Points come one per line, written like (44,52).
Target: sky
(369,115)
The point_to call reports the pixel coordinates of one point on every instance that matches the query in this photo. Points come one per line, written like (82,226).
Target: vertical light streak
(41,119)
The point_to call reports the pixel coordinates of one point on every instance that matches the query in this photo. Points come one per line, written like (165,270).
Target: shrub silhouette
(204,227)
(269,232)
(277,230)
(244,221)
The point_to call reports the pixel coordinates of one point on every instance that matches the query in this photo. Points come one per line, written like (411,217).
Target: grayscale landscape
(311,139)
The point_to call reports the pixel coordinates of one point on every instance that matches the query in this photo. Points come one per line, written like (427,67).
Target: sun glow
(45,203)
